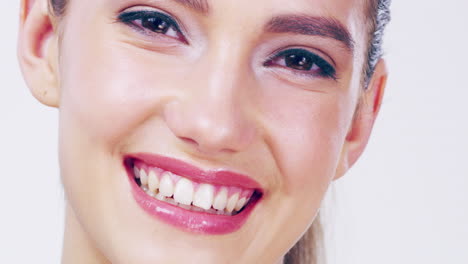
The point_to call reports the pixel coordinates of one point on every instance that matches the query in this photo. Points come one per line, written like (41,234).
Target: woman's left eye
(153,22)
(302,62)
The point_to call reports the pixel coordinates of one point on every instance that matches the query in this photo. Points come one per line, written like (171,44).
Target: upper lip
(184,169)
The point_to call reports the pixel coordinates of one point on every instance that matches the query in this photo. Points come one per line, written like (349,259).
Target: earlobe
(38,51)
(364,119)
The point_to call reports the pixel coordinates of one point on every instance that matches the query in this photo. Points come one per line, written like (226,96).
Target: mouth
(191,199)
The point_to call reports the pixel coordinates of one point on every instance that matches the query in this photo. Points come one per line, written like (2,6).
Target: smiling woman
(203,131)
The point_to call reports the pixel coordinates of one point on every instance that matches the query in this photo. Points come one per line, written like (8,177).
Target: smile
(211,202)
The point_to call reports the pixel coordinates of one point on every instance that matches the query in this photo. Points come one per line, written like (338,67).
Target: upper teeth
(153,182)
(220,200)
(143,177)
(167,187)
(204,196)
(181,191)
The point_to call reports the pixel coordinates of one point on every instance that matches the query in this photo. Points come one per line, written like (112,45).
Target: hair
(307,249)
(379,11)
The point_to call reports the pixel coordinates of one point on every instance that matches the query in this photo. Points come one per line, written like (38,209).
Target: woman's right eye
(153,22)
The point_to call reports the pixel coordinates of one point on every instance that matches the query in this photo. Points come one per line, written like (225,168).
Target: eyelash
(143,20)
(310,64)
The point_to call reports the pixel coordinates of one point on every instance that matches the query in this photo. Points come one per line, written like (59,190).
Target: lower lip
(190,221)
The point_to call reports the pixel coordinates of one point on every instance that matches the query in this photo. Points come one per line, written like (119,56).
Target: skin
(211,103)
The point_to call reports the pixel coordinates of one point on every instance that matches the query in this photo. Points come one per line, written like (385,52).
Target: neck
(77,246)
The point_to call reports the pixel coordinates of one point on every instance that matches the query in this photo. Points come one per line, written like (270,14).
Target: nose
(214,114)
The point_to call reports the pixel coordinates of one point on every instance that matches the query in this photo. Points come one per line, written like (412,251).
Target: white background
(405,201)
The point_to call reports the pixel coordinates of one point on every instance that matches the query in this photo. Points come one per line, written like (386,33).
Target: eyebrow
(296,24)
(200,6)
(311,25)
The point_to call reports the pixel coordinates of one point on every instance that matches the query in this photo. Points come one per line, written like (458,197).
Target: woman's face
(248,98)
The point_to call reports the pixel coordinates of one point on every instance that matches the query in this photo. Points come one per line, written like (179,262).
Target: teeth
(220,200)
(240,203)
(204,196)
(232,202)
(211,211)
(183,192)
(166,187)
(171,201)
(143,177)
(136,171)
(186,207)
(153,182)
(198,209)
(160,197)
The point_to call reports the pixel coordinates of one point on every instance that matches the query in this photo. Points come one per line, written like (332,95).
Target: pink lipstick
(189,198)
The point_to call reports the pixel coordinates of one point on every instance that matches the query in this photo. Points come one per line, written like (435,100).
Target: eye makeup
(302,62)
(151,22)
(298,61)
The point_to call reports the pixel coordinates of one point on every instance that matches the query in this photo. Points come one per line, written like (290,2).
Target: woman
(202,131)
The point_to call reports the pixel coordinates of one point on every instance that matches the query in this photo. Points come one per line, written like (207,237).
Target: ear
(363,121)
(38,51)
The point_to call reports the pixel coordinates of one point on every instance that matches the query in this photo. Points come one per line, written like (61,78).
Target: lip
(192,221)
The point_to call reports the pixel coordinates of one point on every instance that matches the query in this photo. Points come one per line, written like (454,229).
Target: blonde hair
(308,249)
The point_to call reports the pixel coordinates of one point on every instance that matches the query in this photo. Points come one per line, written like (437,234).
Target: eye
(153,22)
(302,61)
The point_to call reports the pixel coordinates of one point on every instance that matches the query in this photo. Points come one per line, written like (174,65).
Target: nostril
(202,148)
(189,141)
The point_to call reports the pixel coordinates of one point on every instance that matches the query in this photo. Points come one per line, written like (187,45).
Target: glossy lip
(192,221)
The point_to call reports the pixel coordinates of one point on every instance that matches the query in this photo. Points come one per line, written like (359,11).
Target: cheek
(308,130)
(109,89)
